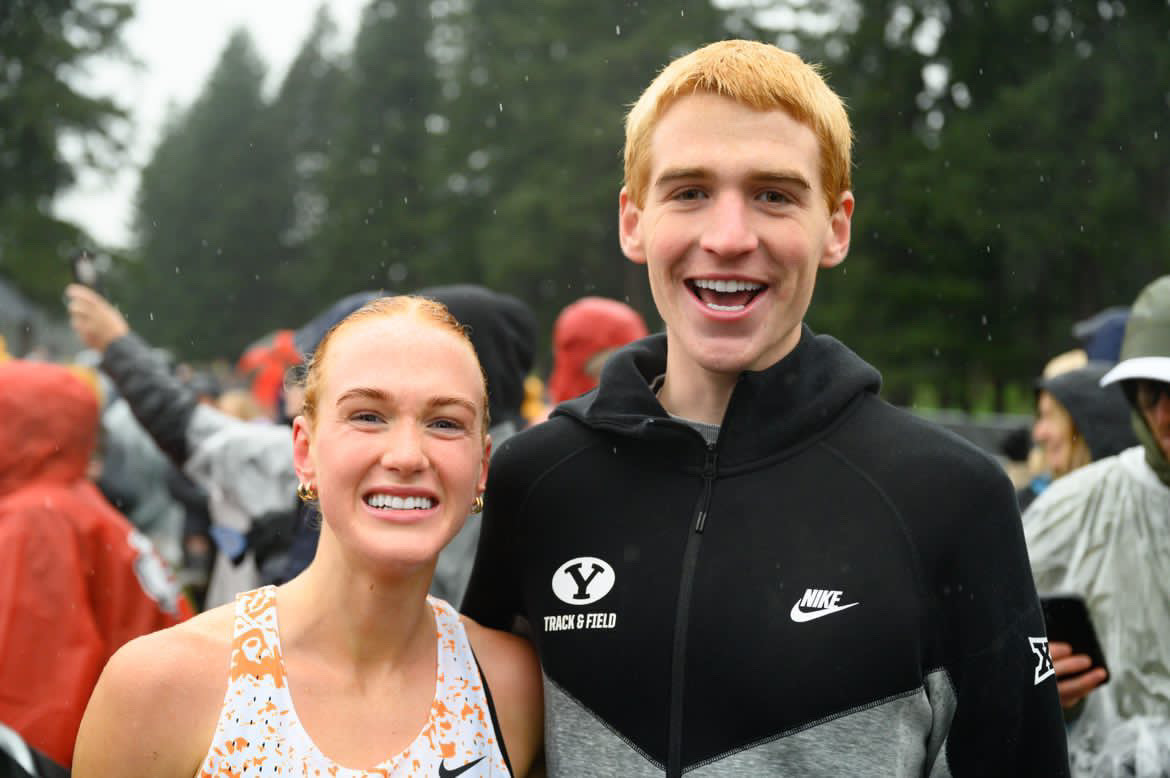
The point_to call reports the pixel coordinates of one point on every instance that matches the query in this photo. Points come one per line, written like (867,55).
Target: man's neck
(690,392)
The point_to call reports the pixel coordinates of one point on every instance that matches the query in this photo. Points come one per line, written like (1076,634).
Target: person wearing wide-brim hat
(1103,532)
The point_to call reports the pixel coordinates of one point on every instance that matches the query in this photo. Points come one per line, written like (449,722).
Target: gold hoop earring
(477,506)
(306,492)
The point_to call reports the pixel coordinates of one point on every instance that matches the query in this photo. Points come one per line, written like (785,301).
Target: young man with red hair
(733,557)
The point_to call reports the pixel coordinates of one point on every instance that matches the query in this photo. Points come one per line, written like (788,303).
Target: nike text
(819,602)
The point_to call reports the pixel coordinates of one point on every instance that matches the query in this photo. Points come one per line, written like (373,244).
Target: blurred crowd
(136,490)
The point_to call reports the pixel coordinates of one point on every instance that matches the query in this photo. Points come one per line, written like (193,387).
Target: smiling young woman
(350,669)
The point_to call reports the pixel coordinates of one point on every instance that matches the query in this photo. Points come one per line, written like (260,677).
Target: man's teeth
(729,286)
(399,503)
(716,307)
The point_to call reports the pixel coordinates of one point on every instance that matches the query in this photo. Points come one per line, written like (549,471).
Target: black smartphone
(1066,618)
(85,270)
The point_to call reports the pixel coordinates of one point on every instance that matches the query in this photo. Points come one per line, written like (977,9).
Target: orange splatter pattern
(258,732)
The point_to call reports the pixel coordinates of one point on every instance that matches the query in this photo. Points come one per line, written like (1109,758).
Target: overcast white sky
(178,44)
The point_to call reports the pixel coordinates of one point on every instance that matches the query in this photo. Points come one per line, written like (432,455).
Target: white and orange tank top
(259,733)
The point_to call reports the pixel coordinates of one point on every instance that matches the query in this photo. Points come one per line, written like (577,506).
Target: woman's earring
(306,492)
(477,506)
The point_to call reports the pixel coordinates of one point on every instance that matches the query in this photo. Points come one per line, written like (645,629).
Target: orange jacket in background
(76,579)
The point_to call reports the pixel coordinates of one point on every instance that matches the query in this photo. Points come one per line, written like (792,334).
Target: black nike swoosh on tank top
(445,773)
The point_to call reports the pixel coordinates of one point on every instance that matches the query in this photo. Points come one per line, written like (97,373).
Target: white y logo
(583,581)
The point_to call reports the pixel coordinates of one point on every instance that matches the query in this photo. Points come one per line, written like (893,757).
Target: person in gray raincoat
(1103,532)
(246,469)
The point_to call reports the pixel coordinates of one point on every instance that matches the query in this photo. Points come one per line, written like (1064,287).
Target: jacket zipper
(682,616)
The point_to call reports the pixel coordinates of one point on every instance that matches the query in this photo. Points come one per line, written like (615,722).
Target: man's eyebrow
(438,402)
(671,175)
(789,177)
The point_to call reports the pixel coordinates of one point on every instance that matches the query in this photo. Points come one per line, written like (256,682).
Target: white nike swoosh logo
(798,615)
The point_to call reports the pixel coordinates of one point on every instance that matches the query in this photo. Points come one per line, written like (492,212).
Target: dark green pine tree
(379,193)
(42,47)
(307,116)
(214,207)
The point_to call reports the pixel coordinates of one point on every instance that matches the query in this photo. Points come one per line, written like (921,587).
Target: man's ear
(302,452)
(839,231)
(630,228)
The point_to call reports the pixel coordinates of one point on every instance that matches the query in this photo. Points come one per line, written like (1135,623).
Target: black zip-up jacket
(835,587)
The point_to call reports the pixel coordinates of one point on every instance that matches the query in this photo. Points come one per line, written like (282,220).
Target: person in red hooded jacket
(76,579)
(585,334)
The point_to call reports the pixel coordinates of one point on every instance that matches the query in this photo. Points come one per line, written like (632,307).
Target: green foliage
(214,205)
(381,196)
(1024,194)
(43,44)
(1011,170)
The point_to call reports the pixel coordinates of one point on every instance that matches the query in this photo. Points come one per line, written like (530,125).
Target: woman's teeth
(395,503)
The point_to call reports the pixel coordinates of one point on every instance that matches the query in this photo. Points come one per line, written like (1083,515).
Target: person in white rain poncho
(1103,532)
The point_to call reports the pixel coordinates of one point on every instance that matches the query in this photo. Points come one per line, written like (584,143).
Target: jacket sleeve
(162,405)
(1007,717)
(494,597)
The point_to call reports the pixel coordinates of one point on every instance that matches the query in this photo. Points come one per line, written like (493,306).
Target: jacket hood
(585,328)
(49,427)
(1101,414)
(503,331)
(771,410)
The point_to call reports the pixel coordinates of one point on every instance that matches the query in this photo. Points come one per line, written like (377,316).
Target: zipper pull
(710,463)
(709,466)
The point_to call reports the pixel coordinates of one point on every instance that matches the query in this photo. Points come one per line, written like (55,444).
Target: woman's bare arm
(154,710)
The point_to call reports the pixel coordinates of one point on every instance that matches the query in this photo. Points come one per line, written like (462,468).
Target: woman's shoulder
(177,658)
(512,672)
(155,706)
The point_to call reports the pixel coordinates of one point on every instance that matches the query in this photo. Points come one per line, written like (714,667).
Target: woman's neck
(346,614)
